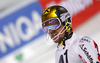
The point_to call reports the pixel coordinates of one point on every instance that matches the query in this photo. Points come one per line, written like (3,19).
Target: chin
(57,41)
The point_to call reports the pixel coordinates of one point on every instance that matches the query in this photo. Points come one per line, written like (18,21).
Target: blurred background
(22,39)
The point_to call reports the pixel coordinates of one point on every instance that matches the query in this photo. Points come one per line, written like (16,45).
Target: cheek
(50,34)
(58,30)
(61,35)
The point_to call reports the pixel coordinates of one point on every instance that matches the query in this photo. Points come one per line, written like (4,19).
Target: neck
(67,36)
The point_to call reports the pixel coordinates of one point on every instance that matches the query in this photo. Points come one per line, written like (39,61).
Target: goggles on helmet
(53,23)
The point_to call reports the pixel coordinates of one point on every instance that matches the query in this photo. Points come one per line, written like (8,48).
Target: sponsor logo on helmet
(64,16)
(47,11)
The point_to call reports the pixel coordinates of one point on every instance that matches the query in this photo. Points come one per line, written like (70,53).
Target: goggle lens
(51,24)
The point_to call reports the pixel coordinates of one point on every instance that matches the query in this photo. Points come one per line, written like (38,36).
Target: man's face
(53,33)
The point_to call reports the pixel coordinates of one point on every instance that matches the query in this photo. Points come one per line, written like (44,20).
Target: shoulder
(87,41)
(83,42)
(87,44)
(88,49)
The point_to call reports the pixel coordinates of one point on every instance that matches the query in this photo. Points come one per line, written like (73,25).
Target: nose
(51,31)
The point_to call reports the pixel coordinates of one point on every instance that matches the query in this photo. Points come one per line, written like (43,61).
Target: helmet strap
(67,35)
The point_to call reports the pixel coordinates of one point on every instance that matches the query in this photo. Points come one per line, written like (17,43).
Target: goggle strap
(60,32)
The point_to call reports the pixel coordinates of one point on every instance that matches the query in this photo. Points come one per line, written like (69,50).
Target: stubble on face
(53,33)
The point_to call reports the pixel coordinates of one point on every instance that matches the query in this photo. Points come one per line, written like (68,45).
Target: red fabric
(80,56)
(95,45)
(99,57)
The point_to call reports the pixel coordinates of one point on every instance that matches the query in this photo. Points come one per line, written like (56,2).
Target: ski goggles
(53,23)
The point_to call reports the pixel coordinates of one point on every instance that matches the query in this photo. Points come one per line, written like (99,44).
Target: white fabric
(80,49)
